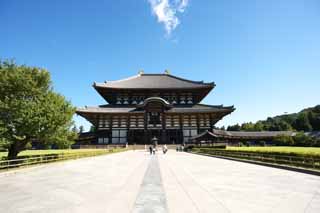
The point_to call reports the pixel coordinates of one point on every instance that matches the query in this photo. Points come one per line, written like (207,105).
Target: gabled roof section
(155,99)
(154,81)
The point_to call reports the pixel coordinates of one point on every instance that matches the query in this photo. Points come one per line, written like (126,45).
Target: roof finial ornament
(167,72)
(140,72)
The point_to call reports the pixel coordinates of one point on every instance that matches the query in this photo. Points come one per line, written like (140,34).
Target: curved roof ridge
(150,99)
(125,79)
(184,79)
(218,106)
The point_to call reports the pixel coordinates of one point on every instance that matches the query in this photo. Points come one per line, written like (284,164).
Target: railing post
(313,166)
(290,160)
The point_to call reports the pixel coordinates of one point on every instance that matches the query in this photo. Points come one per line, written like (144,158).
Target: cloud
(166,12)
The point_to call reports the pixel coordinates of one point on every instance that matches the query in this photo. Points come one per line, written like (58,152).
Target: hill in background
(306,120)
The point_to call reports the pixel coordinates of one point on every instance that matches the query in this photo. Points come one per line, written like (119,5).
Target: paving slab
(107,183)
(135,181)
(151,197)
(206,184)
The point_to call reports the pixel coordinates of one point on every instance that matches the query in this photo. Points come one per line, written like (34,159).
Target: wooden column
(163,130)
(110,129)
(145,123)
(198,123)
(181,128)
(211,122)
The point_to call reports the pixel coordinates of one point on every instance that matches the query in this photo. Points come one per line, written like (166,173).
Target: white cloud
(166,12)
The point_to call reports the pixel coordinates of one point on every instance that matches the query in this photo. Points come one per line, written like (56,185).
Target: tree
(302,123)
(234,128)
(301,139)
(283,140)
(247,126)
(314,119)
(259,126)
(29,108)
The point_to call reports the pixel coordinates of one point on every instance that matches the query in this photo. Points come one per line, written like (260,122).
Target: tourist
(154,150)
(164,149)
(150,149)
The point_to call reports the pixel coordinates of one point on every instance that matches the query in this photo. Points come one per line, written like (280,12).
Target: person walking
(164,149)
(150,149)
(154,149)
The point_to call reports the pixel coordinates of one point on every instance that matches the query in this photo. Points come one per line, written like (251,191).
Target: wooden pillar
(110,129)
(163,130)
(211,122)
(198,124)
(181,128)
(128,127)
(145,124)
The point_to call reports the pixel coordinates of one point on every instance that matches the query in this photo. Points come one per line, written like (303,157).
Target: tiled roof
(154,81)
(251,134)
(242,134)
(174,109)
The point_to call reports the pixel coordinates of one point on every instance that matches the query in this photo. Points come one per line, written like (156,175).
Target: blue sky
(264,56)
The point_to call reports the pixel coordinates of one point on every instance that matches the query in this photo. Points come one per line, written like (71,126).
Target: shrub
(284,140)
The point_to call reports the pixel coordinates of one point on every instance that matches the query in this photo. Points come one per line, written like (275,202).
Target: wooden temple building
(152,105)
(231,137)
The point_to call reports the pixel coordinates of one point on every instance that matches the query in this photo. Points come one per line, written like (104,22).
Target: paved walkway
(136,182)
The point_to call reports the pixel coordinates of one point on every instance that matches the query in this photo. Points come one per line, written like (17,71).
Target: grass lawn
(50,151)
(315,151)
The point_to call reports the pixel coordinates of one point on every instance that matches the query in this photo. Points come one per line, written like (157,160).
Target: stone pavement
(136,182)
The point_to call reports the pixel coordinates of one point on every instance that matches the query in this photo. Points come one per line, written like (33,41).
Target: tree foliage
(30,109)
(307,120)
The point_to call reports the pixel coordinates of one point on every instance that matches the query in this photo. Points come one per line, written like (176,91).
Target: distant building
(152,105)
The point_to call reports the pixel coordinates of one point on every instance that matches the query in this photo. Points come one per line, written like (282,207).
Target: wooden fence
(310,162)
(32,160)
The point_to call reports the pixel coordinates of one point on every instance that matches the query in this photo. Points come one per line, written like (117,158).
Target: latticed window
(188,133)
(193,120)
(168,121)
(119,136)
(140,121)
(176,121)
(201,121)
(186,120)
(133,121)
(107,122)
(103,140)
(123,121)
(101,123)
(115,121)
(154,118)
(207,120)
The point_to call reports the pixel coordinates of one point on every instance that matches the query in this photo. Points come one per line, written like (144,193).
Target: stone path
(136,182)
(151,197)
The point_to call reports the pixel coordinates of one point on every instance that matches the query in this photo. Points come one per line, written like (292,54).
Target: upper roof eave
(142,81)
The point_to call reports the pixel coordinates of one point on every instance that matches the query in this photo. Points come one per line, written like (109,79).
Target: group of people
(153,149)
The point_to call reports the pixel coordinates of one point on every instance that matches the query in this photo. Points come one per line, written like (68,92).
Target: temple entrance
(155,133)
(174,136)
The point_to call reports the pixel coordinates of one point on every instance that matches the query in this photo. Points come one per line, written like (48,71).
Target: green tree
(236,127)
(301,139)
(283,140)
(259,126)
(29,108)
(314,119)
(247,126)
(302,123)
